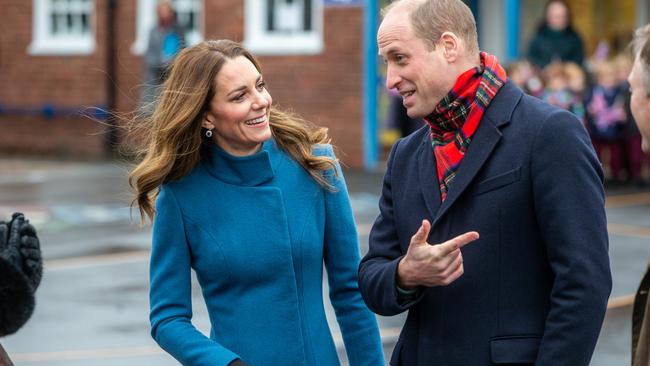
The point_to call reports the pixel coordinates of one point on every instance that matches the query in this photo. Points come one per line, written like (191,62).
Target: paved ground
(92,304)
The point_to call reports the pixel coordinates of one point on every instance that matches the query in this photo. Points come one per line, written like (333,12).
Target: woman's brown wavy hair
(172,137)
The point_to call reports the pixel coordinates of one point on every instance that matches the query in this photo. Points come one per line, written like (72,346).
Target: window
(284,26)
(63,27)
(189,16)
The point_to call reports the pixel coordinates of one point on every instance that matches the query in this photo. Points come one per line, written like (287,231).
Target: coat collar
(249,171)
(497,115)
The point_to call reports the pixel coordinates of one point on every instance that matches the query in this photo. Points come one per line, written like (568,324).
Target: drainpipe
(111,137)
(512,29)
(370,98)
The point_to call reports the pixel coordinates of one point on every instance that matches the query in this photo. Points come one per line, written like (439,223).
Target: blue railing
(51,111)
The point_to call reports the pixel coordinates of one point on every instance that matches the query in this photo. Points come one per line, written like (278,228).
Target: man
(21,269)
(166,39)
(491,161)
(639,80)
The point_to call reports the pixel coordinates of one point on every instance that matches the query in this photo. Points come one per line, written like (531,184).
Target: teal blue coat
(257,230)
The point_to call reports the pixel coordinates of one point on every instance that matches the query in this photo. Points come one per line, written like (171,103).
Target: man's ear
(450,46)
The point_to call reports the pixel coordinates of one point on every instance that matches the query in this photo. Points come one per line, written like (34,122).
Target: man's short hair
(431,18)
(641,49)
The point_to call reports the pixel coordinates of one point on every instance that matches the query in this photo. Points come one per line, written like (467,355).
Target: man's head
(166,12)
(426,44)
(639,80)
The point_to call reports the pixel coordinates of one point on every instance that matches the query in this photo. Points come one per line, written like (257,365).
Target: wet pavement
(92,306)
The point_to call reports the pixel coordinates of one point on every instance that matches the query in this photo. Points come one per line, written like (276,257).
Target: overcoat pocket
(518,350)
(498,181)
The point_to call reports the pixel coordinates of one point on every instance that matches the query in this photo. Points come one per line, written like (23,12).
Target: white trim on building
(63,27)
(281,27)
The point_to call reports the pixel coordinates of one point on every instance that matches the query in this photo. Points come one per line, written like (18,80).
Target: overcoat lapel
(428,177)
(484,140)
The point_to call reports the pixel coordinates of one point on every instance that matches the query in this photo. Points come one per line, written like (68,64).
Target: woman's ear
(207,122)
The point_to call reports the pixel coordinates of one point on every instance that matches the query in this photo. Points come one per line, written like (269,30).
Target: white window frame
(261,42)
(46,43)
(146,19)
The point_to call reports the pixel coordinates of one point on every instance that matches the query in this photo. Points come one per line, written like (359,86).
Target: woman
(254,202)
(556,40)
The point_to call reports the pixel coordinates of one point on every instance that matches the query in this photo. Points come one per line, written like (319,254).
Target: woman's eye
(261,85)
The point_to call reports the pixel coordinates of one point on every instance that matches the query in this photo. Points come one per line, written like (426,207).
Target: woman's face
(557,16)
(239,111)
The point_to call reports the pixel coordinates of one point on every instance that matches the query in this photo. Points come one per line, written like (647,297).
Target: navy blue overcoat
(536,283)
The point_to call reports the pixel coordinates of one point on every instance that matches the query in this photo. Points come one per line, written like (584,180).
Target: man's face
(420,74)
(640,103)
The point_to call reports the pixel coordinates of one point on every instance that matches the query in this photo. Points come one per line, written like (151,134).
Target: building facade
(55,64)
(62,64)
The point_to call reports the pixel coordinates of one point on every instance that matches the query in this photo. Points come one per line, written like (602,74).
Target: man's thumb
(422,234)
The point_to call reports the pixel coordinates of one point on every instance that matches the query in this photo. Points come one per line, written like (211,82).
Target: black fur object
(21,269)
(16,298)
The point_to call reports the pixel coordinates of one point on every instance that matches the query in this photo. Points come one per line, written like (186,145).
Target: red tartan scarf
(457,115)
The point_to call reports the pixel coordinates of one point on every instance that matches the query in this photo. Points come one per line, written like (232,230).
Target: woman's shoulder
(323,150)
(187,183)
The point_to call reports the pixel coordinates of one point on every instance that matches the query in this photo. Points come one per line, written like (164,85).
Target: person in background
(21,269)
(253,200)
(556,40)
(577,85)
(639,81)
(526,77)
(166,39)
(636,162)
(606,118)
(564,88)
(577,79)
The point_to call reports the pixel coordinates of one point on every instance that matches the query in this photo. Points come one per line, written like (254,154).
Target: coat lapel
(484,141)
(428,177)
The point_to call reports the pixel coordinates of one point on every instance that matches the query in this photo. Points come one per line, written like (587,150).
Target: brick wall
(70,137)
(326,88)
(31,82)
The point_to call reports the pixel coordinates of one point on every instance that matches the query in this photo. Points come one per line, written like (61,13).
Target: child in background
(577,83)
(607,118)
(524,75)
(558,91)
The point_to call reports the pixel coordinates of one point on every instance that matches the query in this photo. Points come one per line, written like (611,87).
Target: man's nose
(392,78)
